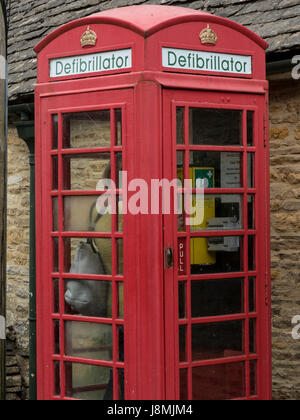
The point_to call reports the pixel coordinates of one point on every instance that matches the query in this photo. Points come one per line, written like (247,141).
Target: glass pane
(217,212)
(55,255)
(182,343)
(216,255)
(220,169)
(121,343)
(83,172)
(81,215)
(253,377)
(119,169)
(217,340)
(87,382)
(228,301)
(88,341)
(252,335)
(251,171)
(55,173)
(88,298)
(56,327)
(120,300)
(216,127)
(56,378)
(121,385)
(252,294)
(251,253)
(180,125)
(250,128)
(54,132)
(183,384)
(120,257)
(84,257)
(182,300)
(87,130)
(220,382)
(251,212)
(118,122)
(56,295)
(120,213)
(55,213)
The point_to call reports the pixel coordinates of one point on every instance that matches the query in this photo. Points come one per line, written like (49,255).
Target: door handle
(169,257)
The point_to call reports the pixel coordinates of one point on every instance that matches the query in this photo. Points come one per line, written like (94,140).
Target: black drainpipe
(25,129)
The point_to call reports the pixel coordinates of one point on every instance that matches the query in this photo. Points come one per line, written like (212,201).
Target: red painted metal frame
(146,95)
(173,99)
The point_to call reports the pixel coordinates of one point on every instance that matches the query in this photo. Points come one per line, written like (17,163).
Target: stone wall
(17,267)
(285,234)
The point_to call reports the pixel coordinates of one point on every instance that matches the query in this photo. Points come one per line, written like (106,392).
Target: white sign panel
(174,58)
(91,63)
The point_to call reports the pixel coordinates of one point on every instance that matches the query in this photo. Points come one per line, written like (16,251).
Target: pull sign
(169,258)
(181,257)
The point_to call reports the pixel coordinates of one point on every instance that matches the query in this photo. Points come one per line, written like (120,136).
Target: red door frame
(48,106)
(172,99)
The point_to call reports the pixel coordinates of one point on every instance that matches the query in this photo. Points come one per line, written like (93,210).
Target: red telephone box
(135,302)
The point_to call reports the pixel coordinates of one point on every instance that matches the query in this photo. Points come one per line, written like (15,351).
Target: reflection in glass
(120,300)
(252,294)
(118,128)
(216,255)
(228,300)
(83,256)
(81,215)
(121,385)
(217,340)
(253,377)
(252,335)
(55,255)
(180,125)
(251,171)
(216,127)
(220,169)
(182,300)
(250,128)
(56,295)
(56,327)
(54,132)
(182,343)
(88,382)
(219,383)
(88,341)
(55,173)
(251,253)
(88,298)
(56,378)
(55,213)
(251,212)
(83,172)
(120,330)
(183,384)
(87,130)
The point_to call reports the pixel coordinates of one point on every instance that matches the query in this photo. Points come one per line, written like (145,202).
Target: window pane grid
(63,175)
(188,278)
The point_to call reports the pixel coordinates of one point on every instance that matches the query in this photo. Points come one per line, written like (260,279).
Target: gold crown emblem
(208,36)
(89,38)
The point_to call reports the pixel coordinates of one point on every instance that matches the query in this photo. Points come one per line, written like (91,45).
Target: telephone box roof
(149,19)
